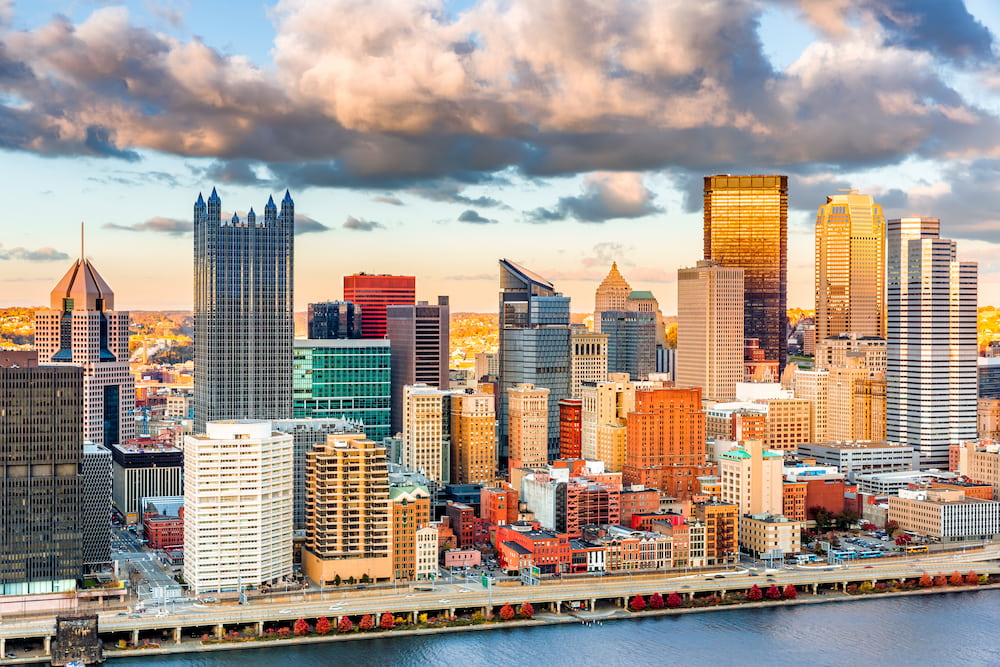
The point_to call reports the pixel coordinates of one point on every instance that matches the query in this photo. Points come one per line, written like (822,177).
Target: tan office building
(529,426)
(473,438)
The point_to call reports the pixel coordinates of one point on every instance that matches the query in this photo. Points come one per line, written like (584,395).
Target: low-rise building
(945,514)
(763,534)
(890,483)
(462,558)
(980,462)
(852,458)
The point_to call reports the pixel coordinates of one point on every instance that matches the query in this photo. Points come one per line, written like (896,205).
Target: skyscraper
(931,347)
(243,320)
(427,431)
(334,319)
(850,267)
(746,225)
(373,293)
(589,360)
(710,329)
(419,335)
(473,438)
(534,345)
(612,294)
(41,541)
(529,426)
(82,327)
(631,341)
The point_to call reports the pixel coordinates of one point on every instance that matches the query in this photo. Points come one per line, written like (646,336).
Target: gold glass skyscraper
(746,225)
(850,267)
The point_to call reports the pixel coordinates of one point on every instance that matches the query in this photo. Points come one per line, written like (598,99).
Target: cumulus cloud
(360,225)
(475,218)
(304,225)
(605,196)
(449,191)
(606,252)
(39,255)
(171,226)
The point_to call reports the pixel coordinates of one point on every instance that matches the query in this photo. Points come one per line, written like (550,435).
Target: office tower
(143,468)
(850,267)
(631,342)
(306,433)
(643,301)
(237,506)
(95,506)
(789,423)
(837,350)
(473,438)
(349,515)
(814,387)
(343,379)
(570,425)
(746,226)
(373,293)
(334,319)
(751,478)
(529,426)
(932,348)
(243,319)
(411,511)
(665,441)
(82,327)
(603,412)
(534,345)
(589,360)
(427,432)
(612,294)
(710,329)
(420,349)
(487,365)
(41,414)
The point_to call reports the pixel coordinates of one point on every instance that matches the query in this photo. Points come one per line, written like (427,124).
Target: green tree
(822,516)
(365,578)
(337,580)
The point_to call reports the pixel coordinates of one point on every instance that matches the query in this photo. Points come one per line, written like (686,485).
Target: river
(944,629)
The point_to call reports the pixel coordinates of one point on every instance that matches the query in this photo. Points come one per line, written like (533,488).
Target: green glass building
(343,379)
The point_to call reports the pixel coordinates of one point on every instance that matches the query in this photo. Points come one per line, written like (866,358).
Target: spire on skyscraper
(612,294)
(270,204)
(213,197)
(287,199)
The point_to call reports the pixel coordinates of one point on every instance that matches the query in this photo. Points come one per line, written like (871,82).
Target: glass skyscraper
(746,225)
(243,320)
(534,345)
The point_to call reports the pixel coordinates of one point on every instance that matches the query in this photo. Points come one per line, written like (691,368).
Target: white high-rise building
(588,359)
(931,349)
(237,506)
(710,329)
(426,431)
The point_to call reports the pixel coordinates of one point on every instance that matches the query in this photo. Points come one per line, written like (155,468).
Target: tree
(386,623)
(754,594)
(367,623)
(337,580)
(925,581)
(301,627)
(972,579)
(956,579)
(638,603)
(823,517)
(891,527)
(656,601)
(940,580)
(323,625)
(351,581)
(791,592)
(868,526)
(365,578)
(506,612)
(345,625)
(674,601)
(846,519)
(284,632)
(526,610)
(773,592)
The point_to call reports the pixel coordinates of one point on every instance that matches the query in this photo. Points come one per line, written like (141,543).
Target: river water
(940,630)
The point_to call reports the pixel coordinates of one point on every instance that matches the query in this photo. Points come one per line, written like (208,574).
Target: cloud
(450,191)
(388,199)
(242,172)
(605,196)
(171,226)
(360,225)
(603,254)
(473,217)
(26,255)
(304,225)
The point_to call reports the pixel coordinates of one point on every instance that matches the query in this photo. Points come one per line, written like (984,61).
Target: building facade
(334,319)
(143,468)
(589,361)
(373,294)
(427,432)
(95,511)
(570,425)
(243,312)
(611,294)
(631,341)
(411,512)
(529,426)
(420,349)
(473,438)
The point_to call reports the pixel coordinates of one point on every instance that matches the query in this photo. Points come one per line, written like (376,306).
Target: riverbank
(544,619)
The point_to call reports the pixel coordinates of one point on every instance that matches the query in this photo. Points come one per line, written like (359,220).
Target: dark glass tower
(631,342)
(418,335)
(534,345)
(746,225)
(41,447)
(243,322)
(334,319)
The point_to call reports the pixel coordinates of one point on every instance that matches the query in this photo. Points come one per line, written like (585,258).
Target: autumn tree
(638,603)
(940,580)
(674,601)
(656,601)
(956,579)
(791,592)
(323,625)
(972,579)
(301,627)
(345,625)
(386,623)
(526,610)
(506,612)
(925,581)
(754,594)
(367,622)
(773,592)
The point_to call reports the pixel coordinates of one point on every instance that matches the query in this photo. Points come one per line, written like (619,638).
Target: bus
(916,548)
(870,554)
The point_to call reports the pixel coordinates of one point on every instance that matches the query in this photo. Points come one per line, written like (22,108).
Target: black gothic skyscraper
(243,318)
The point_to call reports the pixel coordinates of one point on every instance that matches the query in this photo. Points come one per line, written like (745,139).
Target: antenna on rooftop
(81,241)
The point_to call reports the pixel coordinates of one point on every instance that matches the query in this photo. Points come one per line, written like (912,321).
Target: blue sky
(433,138)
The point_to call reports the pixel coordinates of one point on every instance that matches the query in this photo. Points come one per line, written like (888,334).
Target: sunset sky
(432,138)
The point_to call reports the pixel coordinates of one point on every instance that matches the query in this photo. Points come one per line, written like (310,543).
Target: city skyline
(451,156)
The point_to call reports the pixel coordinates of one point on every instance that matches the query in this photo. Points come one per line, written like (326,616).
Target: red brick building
(164,531)
(498,506)
(462,519)
(638,500)
(373,293)
(570,417)
(518,545)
